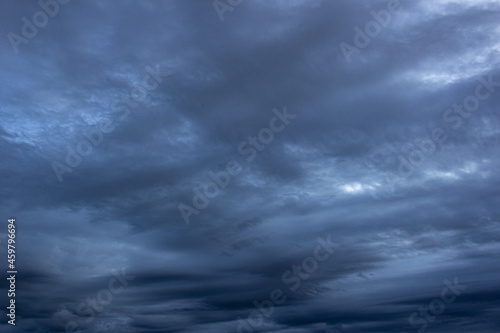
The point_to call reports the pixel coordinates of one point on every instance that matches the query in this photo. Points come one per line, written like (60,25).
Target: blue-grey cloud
(392,152)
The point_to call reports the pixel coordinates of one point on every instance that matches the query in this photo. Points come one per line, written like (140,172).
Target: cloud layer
(391,151)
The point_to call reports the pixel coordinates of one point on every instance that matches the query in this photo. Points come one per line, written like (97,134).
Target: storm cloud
(302,166)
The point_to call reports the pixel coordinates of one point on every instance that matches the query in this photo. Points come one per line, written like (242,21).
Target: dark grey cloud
(358,162)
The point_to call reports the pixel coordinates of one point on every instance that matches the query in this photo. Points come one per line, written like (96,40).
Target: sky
(285,166)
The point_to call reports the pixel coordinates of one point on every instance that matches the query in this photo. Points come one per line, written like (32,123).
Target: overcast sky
(338,160)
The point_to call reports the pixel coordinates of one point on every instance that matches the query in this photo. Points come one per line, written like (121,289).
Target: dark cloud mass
(286,166)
